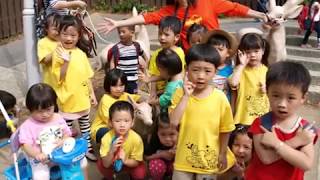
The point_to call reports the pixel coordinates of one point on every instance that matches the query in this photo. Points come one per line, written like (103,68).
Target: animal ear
(293,12)
(134,104)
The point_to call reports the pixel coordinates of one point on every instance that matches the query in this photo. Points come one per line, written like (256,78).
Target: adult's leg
(306,36)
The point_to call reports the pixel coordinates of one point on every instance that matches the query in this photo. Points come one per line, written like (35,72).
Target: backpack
(114,52)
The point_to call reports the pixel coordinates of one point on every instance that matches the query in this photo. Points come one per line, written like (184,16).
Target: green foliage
(101,5)
(126,6)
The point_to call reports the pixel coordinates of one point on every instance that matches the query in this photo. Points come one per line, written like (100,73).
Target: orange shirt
(204,12)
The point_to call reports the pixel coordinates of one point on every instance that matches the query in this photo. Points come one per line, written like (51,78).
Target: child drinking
(43,131)
(204,117)
(248,79)
(122,143)
(72,72)
(240,144)
(195,34)
(170,68)
(160,150)
(114,86)
(274,156)
(47,45)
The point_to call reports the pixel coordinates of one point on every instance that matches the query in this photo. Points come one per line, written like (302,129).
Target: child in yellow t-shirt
(114,86)
(72,75)
(204,117)
(249,78)
(121,144)
(169,36)
(47,45)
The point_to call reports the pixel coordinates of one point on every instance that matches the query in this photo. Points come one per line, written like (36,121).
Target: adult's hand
(107,26)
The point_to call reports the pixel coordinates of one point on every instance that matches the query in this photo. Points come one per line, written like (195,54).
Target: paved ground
(13,73)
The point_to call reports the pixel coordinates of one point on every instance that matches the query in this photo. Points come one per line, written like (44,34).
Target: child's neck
(203,93)
(288,123)
(254,66)
(127,43)
(173,47)
(177,77)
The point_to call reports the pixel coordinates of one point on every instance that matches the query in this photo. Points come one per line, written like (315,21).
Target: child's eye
(292,98)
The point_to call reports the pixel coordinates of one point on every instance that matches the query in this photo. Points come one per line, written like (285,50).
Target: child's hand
(42,157)
(93,100)
(116,144)
(269,139)
(188,86)
(222,161)
(122,155)
(239,168)
(62,53)
(142,63)
(262,88)
(243,58)
(142,77)
(167,154)
(304,136)
(153,100)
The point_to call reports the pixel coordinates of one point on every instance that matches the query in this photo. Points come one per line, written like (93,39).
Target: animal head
(290,9)
(142,111)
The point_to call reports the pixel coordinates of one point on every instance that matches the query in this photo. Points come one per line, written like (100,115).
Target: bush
(126,6)
(101,5)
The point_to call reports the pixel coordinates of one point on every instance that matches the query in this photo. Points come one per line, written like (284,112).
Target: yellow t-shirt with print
(198,141)
(74,91)
(45,47)
(251,102)
(153,69)
(132,146)
(102,114)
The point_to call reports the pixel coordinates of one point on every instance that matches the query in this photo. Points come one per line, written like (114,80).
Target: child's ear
(176,38)
(304,98)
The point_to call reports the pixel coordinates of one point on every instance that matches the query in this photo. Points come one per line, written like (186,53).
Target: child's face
(200,73)
(255,56)
(163,72)
(195,38)
(43,115)
(285,100)
(52,32)
(121,122)
(242,148)
(167,38)
(223,52)
(168,136)
(117,90)
(125,35)
(69,37)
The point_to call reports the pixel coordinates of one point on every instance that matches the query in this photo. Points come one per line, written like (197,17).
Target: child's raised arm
(108,159)
(234,80)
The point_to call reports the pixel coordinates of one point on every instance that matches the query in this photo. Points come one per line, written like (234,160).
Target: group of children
(213,110)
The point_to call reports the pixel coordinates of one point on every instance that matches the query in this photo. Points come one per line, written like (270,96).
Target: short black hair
(198,28)
(203,52)
(240,129)
(121,106)
(290,73)
(41,96)
(218,40)
(254,41)
(112,77)
(52,19)
(131,28)
(172,23)
(8,100)
(170,60)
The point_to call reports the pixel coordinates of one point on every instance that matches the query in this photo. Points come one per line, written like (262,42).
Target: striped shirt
(128,61)
(49,8)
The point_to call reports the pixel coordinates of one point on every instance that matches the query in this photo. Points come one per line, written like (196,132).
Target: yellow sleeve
(181,55)
(153,69)
(226,121)
(137,152)
(175,99)
(56,67)
(105,144)
(42,50)
(135,97)
(88,68)
(103,111)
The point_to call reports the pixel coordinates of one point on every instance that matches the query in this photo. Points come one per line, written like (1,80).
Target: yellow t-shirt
(132,146)
(45,47)
(198,141)
(102,114)
(251,103)
(74,91)
(153,69)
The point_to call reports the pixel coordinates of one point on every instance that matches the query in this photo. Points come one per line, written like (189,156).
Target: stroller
(68,164)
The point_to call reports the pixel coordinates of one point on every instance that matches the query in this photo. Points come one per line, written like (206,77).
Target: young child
(125,56)
(204,117)
(122,143)
(241,145)
(71,73)
(9,103)
(169,35)
(170,68)
(160,150)
(43,131)
(274,157)
(114,86)
(226,44)
(47,45)
(248,79)
(195,34)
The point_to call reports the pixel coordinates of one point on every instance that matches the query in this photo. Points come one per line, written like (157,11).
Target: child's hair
(163,121)
(112,77)
(218,40)
(8,102)
(121,106)
(172,23)
(170,60)
(51,19)
(83,43)
(254,41)
(203,52)
(196,28)
(240,129)
(40,96)
(131,28)
(290,73)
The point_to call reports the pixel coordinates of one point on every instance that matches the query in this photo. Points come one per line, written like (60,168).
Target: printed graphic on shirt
(201,158)
(256,107)
(48,138)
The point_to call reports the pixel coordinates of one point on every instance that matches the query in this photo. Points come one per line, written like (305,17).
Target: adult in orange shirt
(204,12)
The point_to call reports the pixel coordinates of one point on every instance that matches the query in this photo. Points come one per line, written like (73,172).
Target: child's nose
(282,103)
